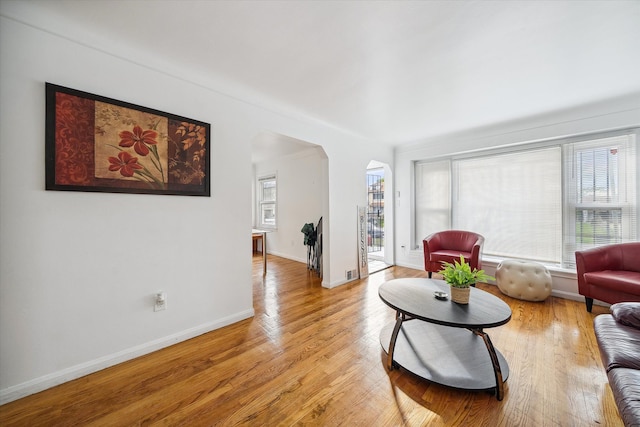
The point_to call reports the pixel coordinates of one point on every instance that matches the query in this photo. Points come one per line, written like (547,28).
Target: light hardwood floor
(311,356)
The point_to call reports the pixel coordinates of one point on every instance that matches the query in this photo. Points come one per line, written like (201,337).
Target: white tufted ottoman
(528,281)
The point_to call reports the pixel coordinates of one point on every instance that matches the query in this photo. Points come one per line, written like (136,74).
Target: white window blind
(514,200)
(539,202)
(600,205)
(432,198)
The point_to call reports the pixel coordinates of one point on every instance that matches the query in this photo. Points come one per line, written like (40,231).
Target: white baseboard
(51,380)
(331,285)
(567,295)
(286,256)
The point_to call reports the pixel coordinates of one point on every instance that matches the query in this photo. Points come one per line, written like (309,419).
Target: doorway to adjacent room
(375,218)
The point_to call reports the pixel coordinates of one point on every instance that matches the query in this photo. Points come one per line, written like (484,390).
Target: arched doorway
(298,173)
(376,217)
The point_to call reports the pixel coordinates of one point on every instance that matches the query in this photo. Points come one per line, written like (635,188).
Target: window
(432,198)
(539,203)
(514,200)
(600,180)
(267,201)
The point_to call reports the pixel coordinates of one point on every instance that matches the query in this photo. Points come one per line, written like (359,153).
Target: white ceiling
(389,71)
(269,145)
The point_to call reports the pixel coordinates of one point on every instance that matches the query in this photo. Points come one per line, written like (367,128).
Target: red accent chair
(609,273)
(447,246)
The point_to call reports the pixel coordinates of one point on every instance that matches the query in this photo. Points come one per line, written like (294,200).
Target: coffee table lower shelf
(453,357)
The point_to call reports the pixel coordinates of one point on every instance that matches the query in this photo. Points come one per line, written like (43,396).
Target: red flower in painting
(125,163)
(138,139)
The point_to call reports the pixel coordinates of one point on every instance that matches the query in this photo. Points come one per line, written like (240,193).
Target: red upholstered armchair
(449,245)
(609,273)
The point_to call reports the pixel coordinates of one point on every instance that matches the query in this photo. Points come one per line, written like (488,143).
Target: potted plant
(460,277)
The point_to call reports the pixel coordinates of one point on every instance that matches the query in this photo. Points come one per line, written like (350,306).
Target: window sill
(555,270)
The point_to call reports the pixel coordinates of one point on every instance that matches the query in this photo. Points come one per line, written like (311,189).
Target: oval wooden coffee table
(445,343)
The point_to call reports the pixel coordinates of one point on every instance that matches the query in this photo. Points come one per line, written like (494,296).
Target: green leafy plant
(460,275)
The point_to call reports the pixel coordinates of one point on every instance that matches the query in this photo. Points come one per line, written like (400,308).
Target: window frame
(630,169)
(261,203)
(627,203)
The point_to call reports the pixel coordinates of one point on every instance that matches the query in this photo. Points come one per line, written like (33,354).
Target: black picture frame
(99,144)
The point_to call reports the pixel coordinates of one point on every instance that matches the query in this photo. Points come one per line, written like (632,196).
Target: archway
(299,170)
(379,216)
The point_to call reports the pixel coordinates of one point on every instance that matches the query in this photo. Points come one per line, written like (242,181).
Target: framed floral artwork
(95,143)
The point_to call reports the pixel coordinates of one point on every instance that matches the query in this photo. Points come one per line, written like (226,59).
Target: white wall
(612,114)
(78,270)
(301,199)
(347,164)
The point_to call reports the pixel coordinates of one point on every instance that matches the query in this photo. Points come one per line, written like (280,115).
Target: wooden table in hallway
(262,236)
(445,342)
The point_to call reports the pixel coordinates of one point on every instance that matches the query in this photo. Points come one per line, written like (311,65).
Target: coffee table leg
(494,361)
(394,337)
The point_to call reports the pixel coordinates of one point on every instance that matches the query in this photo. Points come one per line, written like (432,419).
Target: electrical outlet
(160,302)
